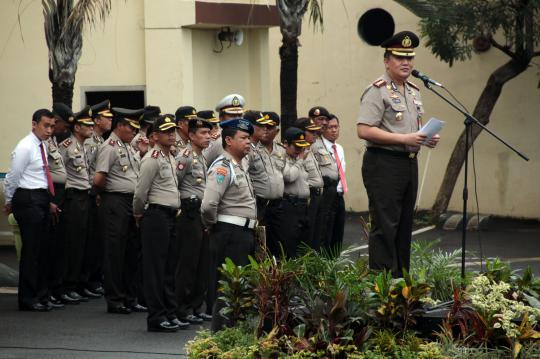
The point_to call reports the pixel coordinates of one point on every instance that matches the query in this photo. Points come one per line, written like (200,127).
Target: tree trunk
(62,92)
(288,53)
(482,112)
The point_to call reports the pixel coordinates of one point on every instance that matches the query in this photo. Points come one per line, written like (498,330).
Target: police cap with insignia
(184,113)
(256,118)
(164,123)
(239,124)
(295,136)
(63,111)
(131,117)
(84,117)
(199,122)
(401,44)
(273,117)
(318,111)
(102,109)
(307,124)
(232,104)
(208,115)
(150,114)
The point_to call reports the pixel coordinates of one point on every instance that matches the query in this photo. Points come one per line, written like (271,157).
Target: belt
(76,190)
(315,191)
(121,194)
(238,221)
(328,182)
(294,199)
(402,154)
(340,194)
(171,210)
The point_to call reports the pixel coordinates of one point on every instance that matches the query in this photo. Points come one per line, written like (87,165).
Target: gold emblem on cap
(317,112)
(406,42)
(194,112)
(167,119)
(235,101)
(301,137)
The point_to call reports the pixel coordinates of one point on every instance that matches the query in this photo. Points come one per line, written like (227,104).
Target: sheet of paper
(431,128)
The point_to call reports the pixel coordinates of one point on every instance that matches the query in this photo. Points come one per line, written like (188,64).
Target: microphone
(425,78)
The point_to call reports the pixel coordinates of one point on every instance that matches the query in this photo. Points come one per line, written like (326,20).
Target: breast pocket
(123,162)
(165,171)
(279,163)
(257,164)
(56,159)
(323,157)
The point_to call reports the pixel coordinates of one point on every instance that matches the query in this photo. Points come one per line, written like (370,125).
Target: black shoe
(164,326)
(66,299)
(37,307)
(205,317)
(92,295)
(193,319)
(77,296)
(98,290)
(119,310)
(138,308)
(55,303)
(181,324)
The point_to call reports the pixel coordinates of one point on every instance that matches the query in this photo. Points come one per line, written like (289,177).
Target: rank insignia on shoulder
(186,152)
(413,86)
(379,83)
(67,142)
(155,154)
(119,143)
(112,142)
(225,162)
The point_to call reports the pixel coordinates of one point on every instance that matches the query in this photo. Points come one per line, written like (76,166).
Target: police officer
(117,169)
(390,116)
(192,270)
(157,187)
(148,117)
(183,114)
(77,201)
(228,208)
(315,181)
(295,199)
(229,107)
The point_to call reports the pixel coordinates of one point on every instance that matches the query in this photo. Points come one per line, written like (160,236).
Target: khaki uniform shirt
(228,191)
(91,146)
(138,137)
(213,151)
(382,105)
(77,166)
(312,168)
(157,182)
(180,143)
(266,170)
(55,161)
(296,178)
(327,163)
(120,162)
(191,171)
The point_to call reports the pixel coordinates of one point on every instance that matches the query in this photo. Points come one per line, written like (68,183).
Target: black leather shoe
(77,296)
(138,308)
(193,319)
(164,326)
(92,295)
(98,290)
(181,324)
(119,310)
(37,307)
(55,303)
(66,299)
(205,317)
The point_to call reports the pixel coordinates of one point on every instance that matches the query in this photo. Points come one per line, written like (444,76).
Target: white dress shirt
(341,154)
(27,170)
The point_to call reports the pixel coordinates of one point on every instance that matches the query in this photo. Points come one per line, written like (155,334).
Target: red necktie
(340,169)
(46,168)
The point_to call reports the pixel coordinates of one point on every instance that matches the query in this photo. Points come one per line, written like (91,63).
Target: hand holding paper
(431,128)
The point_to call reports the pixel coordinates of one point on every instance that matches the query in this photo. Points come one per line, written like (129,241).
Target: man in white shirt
(28,192)
(329,136)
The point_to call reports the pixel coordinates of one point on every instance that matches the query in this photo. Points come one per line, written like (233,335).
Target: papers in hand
(431,128)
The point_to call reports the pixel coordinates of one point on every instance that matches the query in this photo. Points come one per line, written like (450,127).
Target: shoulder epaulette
(66,142)
(225,162)
(112,142)
(186,152)
(280,144)
(155,154)
(379,83)
(413,85)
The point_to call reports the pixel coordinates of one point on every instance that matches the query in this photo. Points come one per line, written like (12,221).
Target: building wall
(144,43)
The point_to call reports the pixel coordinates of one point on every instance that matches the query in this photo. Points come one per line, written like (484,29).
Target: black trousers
(31,210)
(160,258)
(122,248)
(315,226)
(56,244)
(236,243)
(391,181)
(194,259)
(92,273)
(339,222)
(274,228)
(76,216)
(327,216)
(294,225)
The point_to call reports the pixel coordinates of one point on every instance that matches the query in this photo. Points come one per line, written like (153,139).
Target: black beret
(63,111)
(318,111)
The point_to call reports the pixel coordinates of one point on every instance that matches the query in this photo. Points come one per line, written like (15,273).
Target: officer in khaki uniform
(147,119)
(390,116)
(228,208)
(117,170)
(157,187)
(193,266)
(330,174)
(294,219)
(77,202)
(182,115)
(315,181)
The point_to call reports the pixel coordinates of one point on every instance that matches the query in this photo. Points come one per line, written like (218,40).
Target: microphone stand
(469,121)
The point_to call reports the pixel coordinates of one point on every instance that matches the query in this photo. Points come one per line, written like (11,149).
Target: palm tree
(64,23)
(291,13)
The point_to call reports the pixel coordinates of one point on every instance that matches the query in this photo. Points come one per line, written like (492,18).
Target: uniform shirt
(296,178)
(157,183)
(327,163)
(138,137)
(213,151)
(27,168)
(312,168)
(56,163)
(91,146)
(266,170)
(228,191)
(120,162)
(180,143)
(382,105)
(191,171)
(74,156)
(341,154)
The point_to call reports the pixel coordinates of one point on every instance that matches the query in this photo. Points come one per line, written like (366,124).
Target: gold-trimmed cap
(295,136)
(208,115)
(232,104)
(307,124)
(102,109)
(402,44)
(131,117)
(184,113)
(84,117)
(164,123)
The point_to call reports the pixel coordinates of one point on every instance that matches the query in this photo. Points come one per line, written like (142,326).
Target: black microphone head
(415,73)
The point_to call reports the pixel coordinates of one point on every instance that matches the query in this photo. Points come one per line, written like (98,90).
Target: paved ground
(86,331)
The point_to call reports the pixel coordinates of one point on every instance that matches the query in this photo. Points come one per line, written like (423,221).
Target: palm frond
(316,14)
(87,12)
